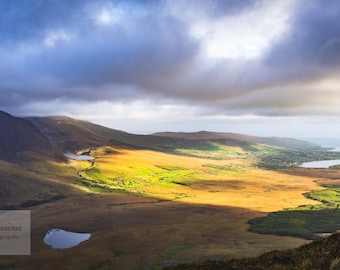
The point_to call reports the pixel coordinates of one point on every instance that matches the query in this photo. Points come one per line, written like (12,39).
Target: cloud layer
(270,58)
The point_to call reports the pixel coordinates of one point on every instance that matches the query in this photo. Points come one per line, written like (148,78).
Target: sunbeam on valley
(166,134)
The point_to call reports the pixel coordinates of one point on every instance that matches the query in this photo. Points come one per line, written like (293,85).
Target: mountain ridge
(204,134)
(19,136)
(73,135)
(210,135)
(46,134)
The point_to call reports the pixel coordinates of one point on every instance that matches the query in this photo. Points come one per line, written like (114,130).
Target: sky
(266,68)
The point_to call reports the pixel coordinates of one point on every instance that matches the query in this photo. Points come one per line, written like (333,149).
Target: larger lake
(321,164)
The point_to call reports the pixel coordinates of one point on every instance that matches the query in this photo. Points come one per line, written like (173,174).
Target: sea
(325,142)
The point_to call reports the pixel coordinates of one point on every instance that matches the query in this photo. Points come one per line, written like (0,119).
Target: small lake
(78,157)
(321,164)
(60,239)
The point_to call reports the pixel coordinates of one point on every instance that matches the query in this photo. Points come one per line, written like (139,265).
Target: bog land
(172,201)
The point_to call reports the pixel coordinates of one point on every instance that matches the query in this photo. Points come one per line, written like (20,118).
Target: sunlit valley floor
(148,208)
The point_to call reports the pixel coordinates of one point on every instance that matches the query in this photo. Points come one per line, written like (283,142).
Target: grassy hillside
(306,221)
(155,201)
(26,185)
(19,137)
(321,255)
(273,141)
(147,208)
(74,135)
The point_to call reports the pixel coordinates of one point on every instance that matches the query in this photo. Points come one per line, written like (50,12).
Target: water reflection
(78,157)
(60,239)
(321,164)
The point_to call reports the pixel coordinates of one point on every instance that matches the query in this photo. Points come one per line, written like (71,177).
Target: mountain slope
(26,186)
(207,135)
(18,136)
(322,254)
(73,135)
(272,141)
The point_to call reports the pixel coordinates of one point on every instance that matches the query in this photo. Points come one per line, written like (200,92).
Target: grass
(288,158)
(306,221)
(92,173)
(234,181)
(330,197)
(31,203)
(153,207)
(171,168)
(227,168)
(213,150)
(133,178)
(335,167)
(22,187)
(321,255)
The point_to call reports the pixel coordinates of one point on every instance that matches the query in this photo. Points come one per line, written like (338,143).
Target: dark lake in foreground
(321,164)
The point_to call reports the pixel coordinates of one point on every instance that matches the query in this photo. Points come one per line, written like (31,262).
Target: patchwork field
(150,209)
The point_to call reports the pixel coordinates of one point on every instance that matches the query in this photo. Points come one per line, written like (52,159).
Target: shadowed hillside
(273,141)
(201,172)
(19,136)
(73,135)
(323,254)
(25,157)
(22,187)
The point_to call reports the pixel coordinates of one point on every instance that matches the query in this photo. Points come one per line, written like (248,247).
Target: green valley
(153,201)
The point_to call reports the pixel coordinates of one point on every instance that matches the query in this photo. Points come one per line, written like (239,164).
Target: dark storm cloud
(62,49)
(27,20)
(114,56)
(85,50)
(314,41)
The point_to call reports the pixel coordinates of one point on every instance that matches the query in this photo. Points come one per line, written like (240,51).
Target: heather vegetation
(319,255)
(306,221)
(220,159)
(289,158)
(157,201)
